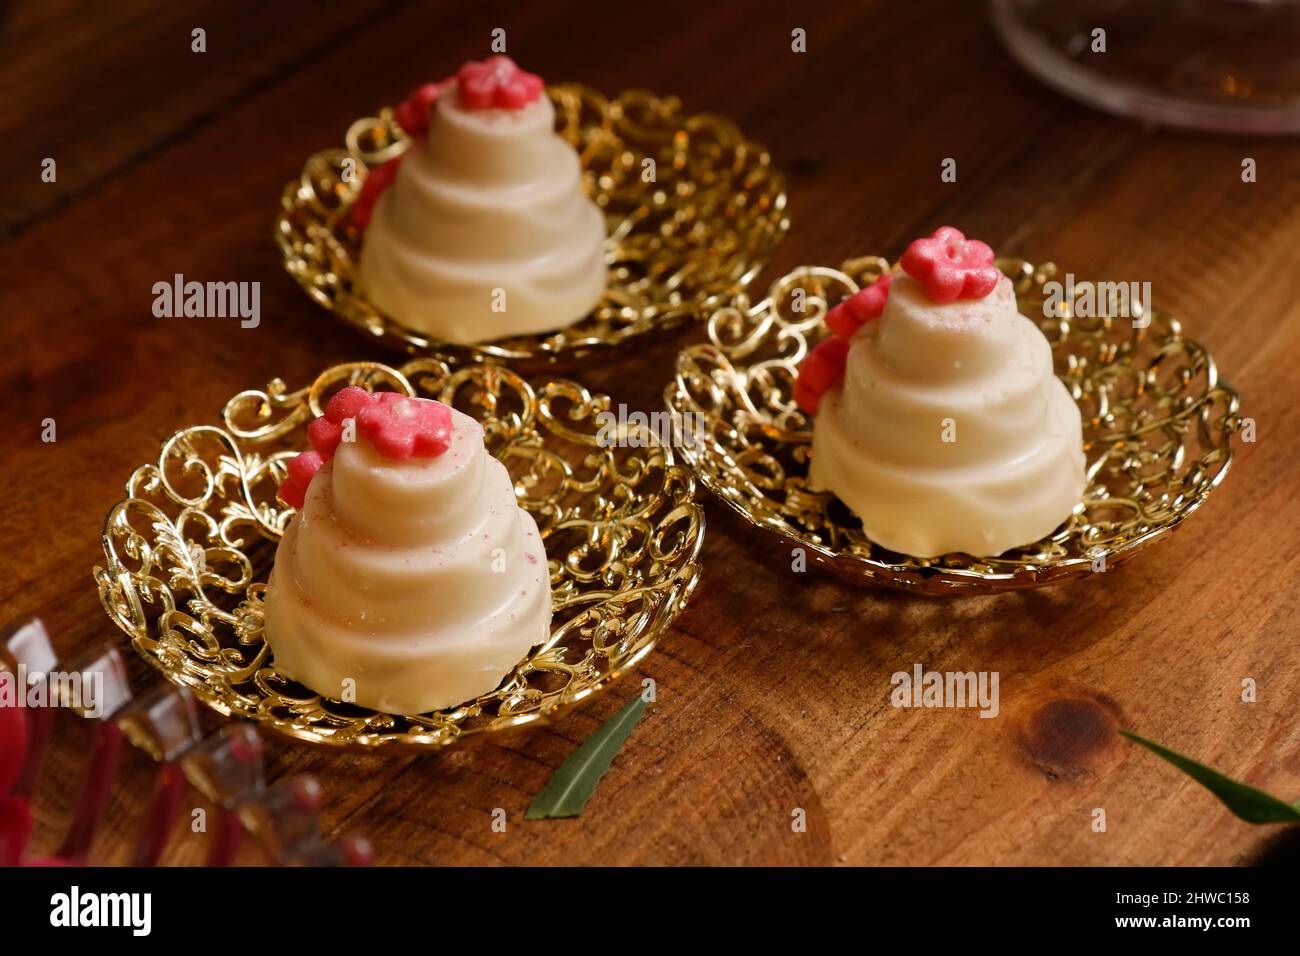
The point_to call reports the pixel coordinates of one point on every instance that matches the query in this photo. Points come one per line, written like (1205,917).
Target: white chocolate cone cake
(939,420)
(410,580)
(485,231)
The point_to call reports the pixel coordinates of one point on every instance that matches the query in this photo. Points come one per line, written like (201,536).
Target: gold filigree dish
(189,549)
(684,233)
(1157,424)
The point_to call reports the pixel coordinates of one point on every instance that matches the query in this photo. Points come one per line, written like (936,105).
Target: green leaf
(1247,802)
(575,781)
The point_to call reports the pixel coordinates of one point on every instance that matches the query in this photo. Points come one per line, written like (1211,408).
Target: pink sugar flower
(822,368)
(401,428)
(950,266)
(861,307)
(497,84)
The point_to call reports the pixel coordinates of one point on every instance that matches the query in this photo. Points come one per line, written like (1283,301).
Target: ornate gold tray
(677,247)
(1157,424)
(189,549)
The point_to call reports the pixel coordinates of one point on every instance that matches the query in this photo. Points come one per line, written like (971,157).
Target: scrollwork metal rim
(740,382)
(182,552)
(661,277)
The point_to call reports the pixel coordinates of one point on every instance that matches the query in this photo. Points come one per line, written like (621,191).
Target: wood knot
(1067,735)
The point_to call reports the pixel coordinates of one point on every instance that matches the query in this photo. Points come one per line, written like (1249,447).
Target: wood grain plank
(105,85)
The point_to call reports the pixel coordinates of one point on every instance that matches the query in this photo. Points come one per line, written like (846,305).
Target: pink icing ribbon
(860,308)
(824,365)
(372,187)
(412,114)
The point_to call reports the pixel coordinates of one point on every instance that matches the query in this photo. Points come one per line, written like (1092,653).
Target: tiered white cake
(415,584)
(949,430)
(486,232)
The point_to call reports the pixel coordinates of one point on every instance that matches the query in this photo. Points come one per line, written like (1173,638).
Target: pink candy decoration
(347,403)
(860,308)
(376,181)
(400,428)
(325,432)
(293,490)
(324,436)
(823,367)
(412,114)
(950,266)
(397,427)
(947,264)
(497,84)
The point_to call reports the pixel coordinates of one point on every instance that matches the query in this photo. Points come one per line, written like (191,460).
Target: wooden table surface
(773,686)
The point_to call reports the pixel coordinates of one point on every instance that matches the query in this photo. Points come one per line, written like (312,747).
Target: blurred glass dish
(1226,66)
